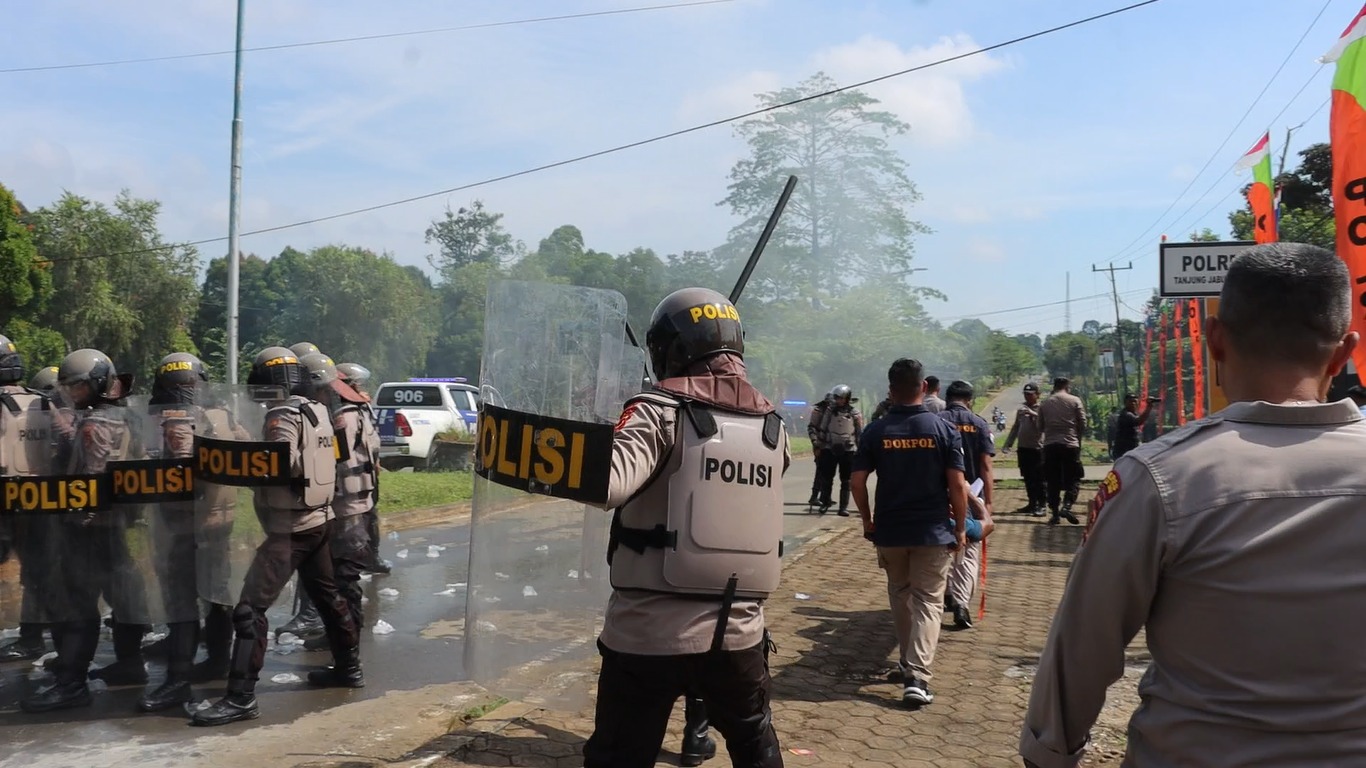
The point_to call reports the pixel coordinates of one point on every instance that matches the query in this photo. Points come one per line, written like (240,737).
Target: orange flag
(1260,196)
(1347,130)
(1162,365)
(1180,381)
(1197,355)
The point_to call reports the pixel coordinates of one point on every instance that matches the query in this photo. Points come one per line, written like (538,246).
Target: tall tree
(25,288)
(472,235)
(1306,202)
(259,303)
(848,215)
(118,286)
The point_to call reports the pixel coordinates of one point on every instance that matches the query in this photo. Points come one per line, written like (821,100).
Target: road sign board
(1196,269)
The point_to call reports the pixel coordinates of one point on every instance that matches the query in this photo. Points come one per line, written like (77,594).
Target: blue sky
(1034,161)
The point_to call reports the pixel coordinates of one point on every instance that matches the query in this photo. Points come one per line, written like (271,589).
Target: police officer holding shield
(358,376)
(700,457)
(298,537)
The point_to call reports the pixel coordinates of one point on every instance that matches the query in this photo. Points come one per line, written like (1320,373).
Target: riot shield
(227,530)
(550,391)
(30,579)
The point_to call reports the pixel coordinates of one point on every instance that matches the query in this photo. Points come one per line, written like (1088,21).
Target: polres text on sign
(1197,269)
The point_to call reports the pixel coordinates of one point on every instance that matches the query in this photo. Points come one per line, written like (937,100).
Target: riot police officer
(679,621)
(357,488)
(45,380)
(839,430)
(304,348)
(295,518)
(93,549)
(25,427)
(358,376)
(193,536)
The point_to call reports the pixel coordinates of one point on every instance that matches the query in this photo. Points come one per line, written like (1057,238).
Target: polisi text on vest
(740,473)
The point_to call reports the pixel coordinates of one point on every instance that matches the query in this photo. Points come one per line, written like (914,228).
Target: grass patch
(402,491)
(475,712)
(798,445)
(1093,453)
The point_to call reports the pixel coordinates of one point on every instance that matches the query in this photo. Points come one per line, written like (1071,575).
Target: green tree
(1306,202)
(848,214)
(118,286)
(1070,354)
(472,235)
(25,281)
(259,303)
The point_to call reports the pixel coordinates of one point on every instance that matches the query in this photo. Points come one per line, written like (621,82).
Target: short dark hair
(905,377)
(931,383)
(1286,302)
(959,391)
(1061,383)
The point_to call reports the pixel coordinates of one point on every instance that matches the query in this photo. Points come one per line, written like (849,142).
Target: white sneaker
(917,691)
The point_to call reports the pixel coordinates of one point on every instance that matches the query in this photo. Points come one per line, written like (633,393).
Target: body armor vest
(710,522)
(356,477)
(839,428)
(25,433)
(316,480)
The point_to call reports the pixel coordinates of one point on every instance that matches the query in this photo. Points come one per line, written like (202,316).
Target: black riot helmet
(11,362)
(179,378)
(689,325)
(276,374)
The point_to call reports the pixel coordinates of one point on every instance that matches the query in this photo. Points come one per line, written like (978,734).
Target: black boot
(345,673)
(60,695)
(697,745)
(182,644)
(844,501)
(240,701)
(218,642)
(130,668)
(27,647)
(306,622)
(378,565)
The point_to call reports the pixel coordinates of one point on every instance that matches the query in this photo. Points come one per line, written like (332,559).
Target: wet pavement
(425,648)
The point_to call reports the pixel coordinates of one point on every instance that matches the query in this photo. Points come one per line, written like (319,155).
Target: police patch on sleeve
(1109,488)
(625,417)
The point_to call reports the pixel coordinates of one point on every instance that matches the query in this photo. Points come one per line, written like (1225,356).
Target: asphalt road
(425,648)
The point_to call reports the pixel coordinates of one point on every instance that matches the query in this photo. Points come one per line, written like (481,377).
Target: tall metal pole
(235,199)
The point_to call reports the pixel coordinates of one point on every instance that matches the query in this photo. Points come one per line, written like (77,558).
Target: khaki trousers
(963,575)
(916,578)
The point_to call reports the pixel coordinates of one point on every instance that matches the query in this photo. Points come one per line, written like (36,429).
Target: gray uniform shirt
(1063,419)
(934,404)
(1026,429)
(657,624)
(1237,543)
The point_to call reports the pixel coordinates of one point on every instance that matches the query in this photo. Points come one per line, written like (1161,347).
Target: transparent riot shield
(550,393)
(227,529)
(30,585)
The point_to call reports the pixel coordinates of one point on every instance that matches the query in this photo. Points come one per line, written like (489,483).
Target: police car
(412,413)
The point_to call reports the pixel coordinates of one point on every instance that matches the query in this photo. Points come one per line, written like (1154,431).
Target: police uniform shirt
(1026,428)
(101,434)
(910,449)
(934,403)
(1063,418)
(286,425)
(1236,544)
(654,624)
(346,423)
(976,434)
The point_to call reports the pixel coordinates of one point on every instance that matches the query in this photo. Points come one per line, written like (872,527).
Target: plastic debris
(485,626)
(364,599)
(493,599)
(433,551)
(97,686)
(458,585)
(801,751)
(9,634)
(366,577)
(284,678)
(501,576)
(287,638)
(802,596)
(401,554)
(383,627)
(573,574)
(445,592)
(153,637)
(192,707)
(543,548)
(388,592)
(528,591)
(393,535)
(49,656)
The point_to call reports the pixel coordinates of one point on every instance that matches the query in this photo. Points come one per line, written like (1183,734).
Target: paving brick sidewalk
(834,692)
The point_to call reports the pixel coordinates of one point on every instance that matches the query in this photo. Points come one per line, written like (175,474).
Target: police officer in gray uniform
(839,429)
(700,457)
(25,434)
(358,377)
(298,537)
(1235,543)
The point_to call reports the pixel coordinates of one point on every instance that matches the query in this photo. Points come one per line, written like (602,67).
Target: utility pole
(235,199)
(1119,334)
(1067,306)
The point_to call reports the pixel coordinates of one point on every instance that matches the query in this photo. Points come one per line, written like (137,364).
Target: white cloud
(984,251)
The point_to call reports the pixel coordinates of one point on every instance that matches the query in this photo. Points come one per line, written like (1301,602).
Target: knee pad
(244,620)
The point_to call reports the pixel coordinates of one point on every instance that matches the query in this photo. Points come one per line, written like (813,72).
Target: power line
(1036,306)
(654,139)
(1213,156)
(362,38)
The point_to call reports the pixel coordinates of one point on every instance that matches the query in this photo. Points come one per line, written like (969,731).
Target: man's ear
(1215,339)
(1343,353)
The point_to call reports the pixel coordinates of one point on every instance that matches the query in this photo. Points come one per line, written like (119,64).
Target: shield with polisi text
(550,393)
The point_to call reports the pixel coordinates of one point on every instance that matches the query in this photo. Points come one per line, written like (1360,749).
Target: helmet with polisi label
(689,325)
(276,374)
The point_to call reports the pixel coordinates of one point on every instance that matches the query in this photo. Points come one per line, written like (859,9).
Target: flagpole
(235,200)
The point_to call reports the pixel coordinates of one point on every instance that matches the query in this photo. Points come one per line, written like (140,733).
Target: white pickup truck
(412,413)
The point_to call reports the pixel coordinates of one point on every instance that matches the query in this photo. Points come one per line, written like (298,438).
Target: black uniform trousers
(636,695)
(279,556)
(1063,472)
(834,460)
(96,563)
(351,556)
(1031,471)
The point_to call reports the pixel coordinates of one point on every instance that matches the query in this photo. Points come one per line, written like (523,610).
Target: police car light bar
(439,379)
(794,402)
